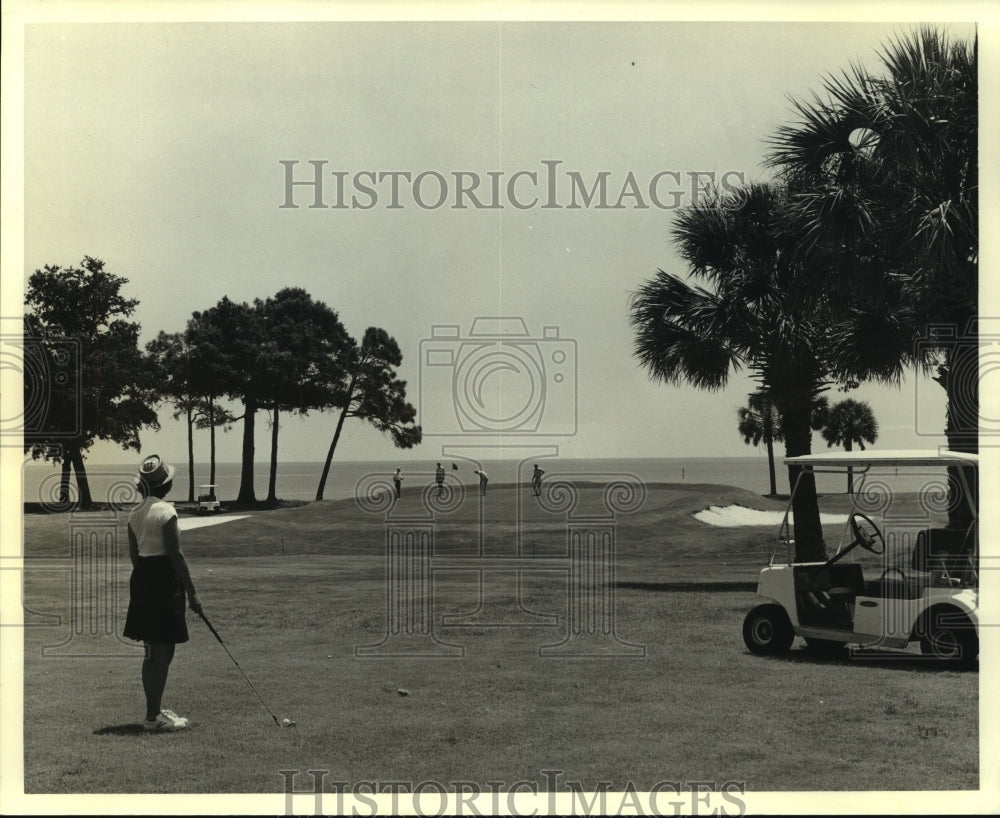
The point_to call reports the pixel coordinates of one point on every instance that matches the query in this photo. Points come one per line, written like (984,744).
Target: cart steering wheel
(866,533)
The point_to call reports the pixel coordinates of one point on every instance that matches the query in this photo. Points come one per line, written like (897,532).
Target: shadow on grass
(689,586)
(873,658)
(121,730)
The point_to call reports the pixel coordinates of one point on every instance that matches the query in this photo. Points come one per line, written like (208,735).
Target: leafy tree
(300,359)
(168,355)
(282,353)
(738,243)
(886,166)
(207,377)
(846,423)
(188,377)
(233,333)
(760,422)
(105,389)
(371,391)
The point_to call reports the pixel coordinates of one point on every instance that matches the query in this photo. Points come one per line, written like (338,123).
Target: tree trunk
(960,378)
(272,480)
(64,479)
(808,532)
(333,447)
(190,421)
(246,495)
(850,470)
(770,465)
(211,438)
(82,483)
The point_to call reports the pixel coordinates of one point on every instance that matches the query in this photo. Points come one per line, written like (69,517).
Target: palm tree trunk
(770,465)
(246,495)
(850,471)
(809,546)
(190,422)
(960,378)
(333,445)
(272,479)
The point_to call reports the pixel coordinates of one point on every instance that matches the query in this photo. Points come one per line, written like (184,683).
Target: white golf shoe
(166,722)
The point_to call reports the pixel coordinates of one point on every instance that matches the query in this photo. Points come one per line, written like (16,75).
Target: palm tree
(760,422)
(737,244)
(886,172)
(846,423)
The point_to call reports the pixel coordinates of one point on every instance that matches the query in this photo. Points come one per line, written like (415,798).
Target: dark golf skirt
(156,603)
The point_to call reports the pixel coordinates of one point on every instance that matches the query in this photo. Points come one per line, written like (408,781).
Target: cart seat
(941,548)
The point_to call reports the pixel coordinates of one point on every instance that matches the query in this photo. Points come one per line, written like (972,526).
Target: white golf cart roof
(887,457)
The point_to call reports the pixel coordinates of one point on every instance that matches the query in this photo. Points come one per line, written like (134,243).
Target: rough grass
(294,591)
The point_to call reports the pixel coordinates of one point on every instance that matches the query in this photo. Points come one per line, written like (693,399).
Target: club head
(287,723)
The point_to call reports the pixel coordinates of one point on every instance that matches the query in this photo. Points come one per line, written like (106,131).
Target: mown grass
(697,706)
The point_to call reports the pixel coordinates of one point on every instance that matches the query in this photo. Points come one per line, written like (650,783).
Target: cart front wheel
(768,630)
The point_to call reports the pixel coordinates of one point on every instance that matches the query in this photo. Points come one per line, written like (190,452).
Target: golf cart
(923,586)
(207,501)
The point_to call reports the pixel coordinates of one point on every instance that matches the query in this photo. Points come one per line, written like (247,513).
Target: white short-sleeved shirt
(147,521)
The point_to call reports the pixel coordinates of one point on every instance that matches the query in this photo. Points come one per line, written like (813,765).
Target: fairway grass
(295,591)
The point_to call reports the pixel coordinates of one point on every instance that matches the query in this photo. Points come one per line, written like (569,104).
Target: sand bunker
(187,523)
(736,516)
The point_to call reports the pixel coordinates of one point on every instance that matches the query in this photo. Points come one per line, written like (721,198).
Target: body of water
(299,480)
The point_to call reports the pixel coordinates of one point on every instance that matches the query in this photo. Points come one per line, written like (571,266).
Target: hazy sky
(158,148)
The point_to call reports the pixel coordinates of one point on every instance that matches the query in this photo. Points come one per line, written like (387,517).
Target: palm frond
(679,333)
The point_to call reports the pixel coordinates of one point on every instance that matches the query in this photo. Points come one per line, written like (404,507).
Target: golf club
(215,633)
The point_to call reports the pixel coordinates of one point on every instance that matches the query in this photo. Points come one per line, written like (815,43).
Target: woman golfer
(160,578)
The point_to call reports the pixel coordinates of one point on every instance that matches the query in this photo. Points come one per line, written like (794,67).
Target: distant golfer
(439,478)
(160,578)
(536,480)
(483,480)
(397,481)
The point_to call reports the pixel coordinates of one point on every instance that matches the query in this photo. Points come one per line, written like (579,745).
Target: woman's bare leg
(154,675)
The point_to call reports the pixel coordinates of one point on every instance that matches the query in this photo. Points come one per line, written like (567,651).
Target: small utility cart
(923,587)
(207,501)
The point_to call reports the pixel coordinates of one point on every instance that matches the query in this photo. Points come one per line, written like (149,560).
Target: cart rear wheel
(768,630)
(951,638)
